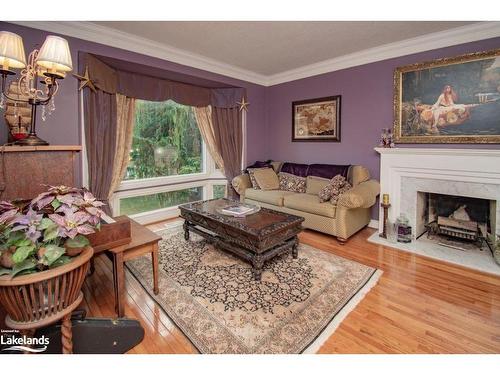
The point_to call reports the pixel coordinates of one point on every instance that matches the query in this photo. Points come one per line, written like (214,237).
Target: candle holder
(385,206)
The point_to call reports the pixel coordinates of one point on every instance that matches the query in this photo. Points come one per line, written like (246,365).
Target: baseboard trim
(373,224)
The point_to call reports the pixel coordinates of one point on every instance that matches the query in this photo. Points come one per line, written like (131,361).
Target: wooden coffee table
(255,238)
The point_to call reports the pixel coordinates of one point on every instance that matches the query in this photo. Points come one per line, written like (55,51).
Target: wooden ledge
(75,148)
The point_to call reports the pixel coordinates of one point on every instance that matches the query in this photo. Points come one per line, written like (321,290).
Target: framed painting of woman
(450,100)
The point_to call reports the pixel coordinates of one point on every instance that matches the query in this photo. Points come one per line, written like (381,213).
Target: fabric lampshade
(55,55)
(11,51)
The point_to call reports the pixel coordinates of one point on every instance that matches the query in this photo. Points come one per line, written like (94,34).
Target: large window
(168,164)
(166,141)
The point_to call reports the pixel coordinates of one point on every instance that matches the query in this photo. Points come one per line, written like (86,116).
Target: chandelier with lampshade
(37,84)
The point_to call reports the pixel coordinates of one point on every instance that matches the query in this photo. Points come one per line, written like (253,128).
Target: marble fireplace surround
(404,172)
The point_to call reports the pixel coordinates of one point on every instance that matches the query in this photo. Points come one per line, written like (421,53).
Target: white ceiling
(269,48)
(270,53)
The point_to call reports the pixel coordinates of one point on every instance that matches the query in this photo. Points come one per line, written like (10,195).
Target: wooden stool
(41,299)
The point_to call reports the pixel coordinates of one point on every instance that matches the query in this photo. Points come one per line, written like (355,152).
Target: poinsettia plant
(47,231)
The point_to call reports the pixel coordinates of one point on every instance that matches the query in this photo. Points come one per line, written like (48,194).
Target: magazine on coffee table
(237,210)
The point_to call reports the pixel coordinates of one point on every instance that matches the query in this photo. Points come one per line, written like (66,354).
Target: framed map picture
(451,100)
(316,120)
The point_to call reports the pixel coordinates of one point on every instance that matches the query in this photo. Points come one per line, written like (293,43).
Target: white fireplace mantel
(439,151)
(475,166)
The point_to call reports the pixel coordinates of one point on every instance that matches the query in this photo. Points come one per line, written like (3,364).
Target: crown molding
(119,39)
(108,36)
(458,35)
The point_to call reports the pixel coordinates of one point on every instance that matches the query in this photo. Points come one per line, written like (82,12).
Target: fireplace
(454,193)
(450,219)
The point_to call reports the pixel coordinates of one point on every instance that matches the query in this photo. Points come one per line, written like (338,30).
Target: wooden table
(143,241)
(256,238)
(125,239)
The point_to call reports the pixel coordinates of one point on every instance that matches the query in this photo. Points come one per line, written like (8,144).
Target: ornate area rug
(212,297)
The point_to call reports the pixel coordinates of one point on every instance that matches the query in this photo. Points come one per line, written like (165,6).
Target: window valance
(140,86)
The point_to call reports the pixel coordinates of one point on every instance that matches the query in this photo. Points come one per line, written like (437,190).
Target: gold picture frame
(471,116)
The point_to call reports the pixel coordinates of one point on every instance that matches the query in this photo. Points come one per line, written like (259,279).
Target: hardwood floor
(419,305)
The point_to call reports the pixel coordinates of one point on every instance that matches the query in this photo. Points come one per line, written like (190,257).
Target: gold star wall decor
(85,80)
(243,104)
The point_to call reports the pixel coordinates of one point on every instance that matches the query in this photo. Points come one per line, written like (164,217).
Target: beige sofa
(351,213)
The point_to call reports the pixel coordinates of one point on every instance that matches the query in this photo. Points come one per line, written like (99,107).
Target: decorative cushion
(266,178)
(276,165)
(259,164)
(290,182)
(336,194)
(251,172)
(315,184)
(327,170)
(295,169)
(358,174)
(336,187)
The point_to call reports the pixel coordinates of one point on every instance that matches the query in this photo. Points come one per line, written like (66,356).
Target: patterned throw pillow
(331,192)
(342,190)
(254,182)
(290,182)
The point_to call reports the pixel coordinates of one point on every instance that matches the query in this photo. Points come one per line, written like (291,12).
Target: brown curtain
(100,139)
(228,138)
(125,118)
(204,119)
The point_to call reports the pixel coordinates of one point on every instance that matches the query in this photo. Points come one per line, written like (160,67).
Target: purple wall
(63,126)
(366,104)
(366,108)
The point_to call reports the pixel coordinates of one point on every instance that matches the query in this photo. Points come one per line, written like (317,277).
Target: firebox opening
(458,218)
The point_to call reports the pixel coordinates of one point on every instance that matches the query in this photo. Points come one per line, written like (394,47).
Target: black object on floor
(96,335)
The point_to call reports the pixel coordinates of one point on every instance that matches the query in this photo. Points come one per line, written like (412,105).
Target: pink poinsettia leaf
(40,196)
(7,216)
(94,220)
(85,229)
(94,211)
(64,208)
(58,219)
(43,202)
(68,199)
(6,206)
(18,227)
(80,217)
(71,233)
(88,196)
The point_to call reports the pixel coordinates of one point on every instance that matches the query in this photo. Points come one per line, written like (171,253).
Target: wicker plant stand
(41,299)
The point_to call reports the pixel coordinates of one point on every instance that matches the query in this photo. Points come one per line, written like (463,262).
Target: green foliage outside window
(166,141)
(145,203)
(219,191)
